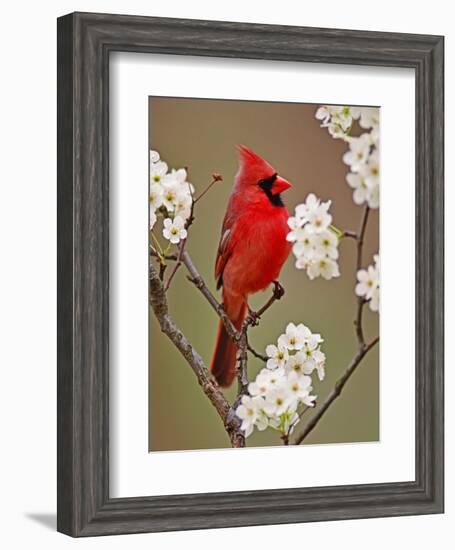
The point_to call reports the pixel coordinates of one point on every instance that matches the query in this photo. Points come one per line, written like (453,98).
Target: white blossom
(295,337)
(298,386)
(327,242)
(368,284)
(182,205)
(315,243)
(278,355)
(157,171)
(369,117)
(284,386)
(156,195)
(359,151)
(325,267)
(265,381)
(362,156)
(154,157)
(170,197)
(170,194)
(248,412)
(174,230)
(337,119)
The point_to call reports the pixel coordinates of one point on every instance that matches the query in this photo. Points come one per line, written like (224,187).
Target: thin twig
(360,299)
(215,178)
(256,354)
(339,385)
(350,234)
(361,236)
(177,264)
(155,254)
(209,386)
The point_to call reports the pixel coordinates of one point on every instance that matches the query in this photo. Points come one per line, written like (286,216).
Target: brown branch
(256,354)
(350,234)
(360,299)
(198,281)
(361,236)
(177,264)
(339,385)
(208,384)
(215,178)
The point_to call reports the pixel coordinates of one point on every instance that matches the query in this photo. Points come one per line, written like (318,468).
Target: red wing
(225,249)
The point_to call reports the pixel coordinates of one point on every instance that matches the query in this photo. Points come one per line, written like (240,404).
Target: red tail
(224,354)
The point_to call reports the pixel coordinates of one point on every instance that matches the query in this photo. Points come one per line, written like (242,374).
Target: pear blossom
(298,363)
(170,194)
(157,171)
(156,193)
(328,241)
(170,198)
(298,386)
(174,230)
(312,213)
(154,157)
(315,243)
(368,284)
(362,157)
(295,337)
(278,401)
(369,117)
(248,412)
(182,205)
(337,119)
(325,267)
(359,150)
(278,356)
(284,386)
(265,381)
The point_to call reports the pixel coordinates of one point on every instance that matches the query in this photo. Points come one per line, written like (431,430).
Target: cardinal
(252,249)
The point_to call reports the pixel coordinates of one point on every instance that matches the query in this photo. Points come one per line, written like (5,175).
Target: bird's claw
(278,290)
(253,318)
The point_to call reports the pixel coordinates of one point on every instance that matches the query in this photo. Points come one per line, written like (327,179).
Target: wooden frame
(84,44)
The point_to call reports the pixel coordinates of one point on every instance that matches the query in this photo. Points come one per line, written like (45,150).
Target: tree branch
(360,299)
(209,386)
(198,281)
(339,385)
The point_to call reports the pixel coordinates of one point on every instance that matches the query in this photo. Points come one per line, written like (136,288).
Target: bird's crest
(252,163)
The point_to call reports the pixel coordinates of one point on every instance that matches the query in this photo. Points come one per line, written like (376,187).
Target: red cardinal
(252,249)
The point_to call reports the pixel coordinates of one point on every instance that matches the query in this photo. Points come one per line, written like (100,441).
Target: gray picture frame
(85,42)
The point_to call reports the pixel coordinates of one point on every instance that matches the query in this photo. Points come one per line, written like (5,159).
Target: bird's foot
(253,317)
(278,290)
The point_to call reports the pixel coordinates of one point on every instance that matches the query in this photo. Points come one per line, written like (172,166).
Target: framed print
(250,252)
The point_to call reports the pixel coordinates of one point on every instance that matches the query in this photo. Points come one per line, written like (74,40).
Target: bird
(251,251)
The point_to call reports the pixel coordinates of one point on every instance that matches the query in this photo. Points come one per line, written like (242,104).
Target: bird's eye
(267,183)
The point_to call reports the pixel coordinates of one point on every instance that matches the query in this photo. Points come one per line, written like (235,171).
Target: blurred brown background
(202,135)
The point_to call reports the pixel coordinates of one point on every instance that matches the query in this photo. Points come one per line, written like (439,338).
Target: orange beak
(280,185)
